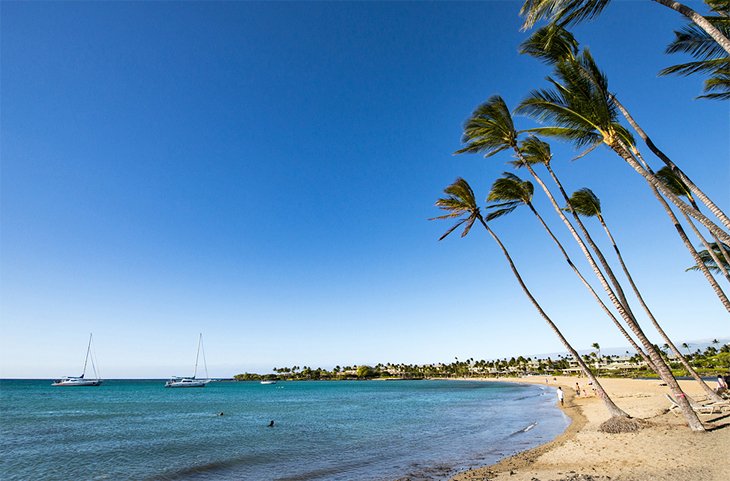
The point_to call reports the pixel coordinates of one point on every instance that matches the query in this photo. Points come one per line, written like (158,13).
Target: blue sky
(263,173)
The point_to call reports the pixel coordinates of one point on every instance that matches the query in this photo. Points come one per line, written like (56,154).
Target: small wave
(525,429)
(203,469)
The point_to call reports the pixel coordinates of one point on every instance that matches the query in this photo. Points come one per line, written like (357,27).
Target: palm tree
(708,260)
(673,182)
(553,44)
(491,130)
(585,113)
(584,202)
(510,191)
(567,12)
(686,346)
(461,204)
(597,347)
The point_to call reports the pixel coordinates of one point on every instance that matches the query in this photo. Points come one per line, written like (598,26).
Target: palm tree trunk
(683,235)
(612,408)
(625,154)
(710,393)
(721,216)
(719,263)
(661,367)
(609,272)
(701,265)
(725,254)
(701,22)
(605,308)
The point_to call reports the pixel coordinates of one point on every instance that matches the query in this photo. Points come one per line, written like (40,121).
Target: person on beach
(721,384)
(560,395)
(577,389)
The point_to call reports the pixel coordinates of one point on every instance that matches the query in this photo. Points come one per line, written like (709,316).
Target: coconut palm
(461,204)
(708,260)
(552,44)
(510,192)
(675,184)
(586,203)
(583,112)
(567,12)
(483,131)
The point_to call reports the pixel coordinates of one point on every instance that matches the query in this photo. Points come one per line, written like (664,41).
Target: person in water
(271,424)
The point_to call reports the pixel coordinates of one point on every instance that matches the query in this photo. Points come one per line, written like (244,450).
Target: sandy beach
(665,450)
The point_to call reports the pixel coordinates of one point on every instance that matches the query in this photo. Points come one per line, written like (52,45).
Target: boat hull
(186,383)
(84,383)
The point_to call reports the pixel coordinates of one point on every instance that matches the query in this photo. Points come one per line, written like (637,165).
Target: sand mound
(620,424)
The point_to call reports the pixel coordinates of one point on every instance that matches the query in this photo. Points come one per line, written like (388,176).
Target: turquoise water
(324,431)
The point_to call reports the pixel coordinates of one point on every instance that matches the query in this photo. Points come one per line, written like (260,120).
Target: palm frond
(587,151)
(499,213)
(535,151)
(565,12)
(673,182)
(695,42)
(459,202)
(722,7)
(550,44)
(710,58)
(711,66)
(709,262)
(490,129)
(511,189)
(584,202)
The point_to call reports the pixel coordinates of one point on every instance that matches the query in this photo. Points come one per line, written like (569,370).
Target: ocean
(324,431)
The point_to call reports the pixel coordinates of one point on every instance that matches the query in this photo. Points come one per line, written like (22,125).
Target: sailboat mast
(205,363)
(88,349)
(200,339)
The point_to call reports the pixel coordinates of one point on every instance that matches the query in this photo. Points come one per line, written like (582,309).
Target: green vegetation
(709,363)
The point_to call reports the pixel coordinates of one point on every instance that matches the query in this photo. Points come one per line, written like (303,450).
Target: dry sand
(665,451)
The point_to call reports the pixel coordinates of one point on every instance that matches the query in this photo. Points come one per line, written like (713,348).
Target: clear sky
(263,173)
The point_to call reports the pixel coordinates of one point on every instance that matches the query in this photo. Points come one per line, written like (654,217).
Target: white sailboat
(81,380)
(192,381)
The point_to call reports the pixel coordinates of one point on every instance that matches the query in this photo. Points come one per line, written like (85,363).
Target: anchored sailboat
(192,381)
(80,380)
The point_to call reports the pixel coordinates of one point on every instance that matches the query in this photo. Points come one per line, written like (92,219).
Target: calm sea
(324,431)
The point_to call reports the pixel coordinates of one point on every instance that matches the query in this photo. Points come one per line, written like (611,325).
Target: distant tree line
(710,361)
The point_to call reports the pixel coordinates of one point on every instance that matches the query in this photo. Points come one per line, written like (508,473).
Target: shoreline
(582,453)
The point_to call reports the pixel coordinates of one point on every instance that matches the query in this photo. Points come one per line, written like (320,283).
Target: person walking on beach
(577,389)
(560,395)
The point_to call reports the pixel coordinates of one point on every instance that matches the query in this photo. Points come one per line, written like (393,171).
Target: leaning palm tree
(491,130)
(584,202)
(567,12)
(708,261)
(675,184)
(460,203)
(597,347)
(553,44)
(509,192)
(583,112)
